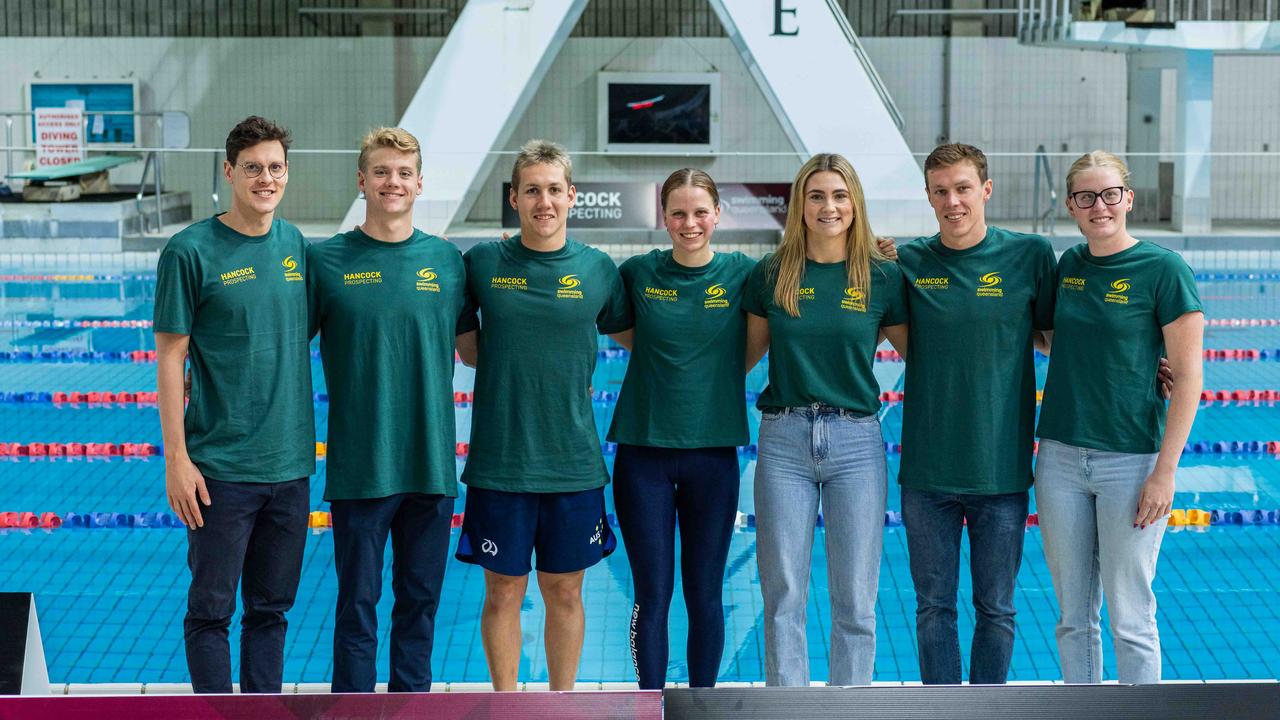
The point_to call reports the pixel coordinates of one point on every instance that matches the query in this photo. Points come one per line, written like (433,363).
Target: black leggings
(652,487)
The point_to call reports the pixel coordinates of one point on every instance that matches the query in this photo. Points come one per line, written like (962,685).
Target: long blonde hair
(787,267)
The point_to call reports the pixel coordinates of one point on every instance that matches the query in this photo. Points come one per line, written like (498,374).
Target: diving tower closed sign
(59,136)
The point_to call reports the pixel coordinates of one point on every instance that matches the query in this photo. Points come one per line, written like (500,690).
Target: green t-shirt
(387,314)
(826,354)
(969,417)
(686,381)
(532,426)
(243,302)
(1102,391)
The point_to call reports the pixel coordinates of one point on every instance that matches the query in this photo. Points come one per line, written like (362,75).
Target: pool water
(111,601)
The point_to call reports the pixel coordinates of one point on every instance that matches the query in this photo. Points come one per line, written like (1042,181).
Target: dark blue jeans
(997,525)
(419,528)
(654,490)
(253,535)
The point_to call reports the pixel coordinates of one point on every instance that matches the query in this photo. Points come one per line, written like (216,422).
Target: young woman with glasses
(1109,446)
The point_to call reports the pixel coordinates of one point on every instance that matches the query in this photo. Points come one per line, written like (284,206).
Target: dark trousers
(419,528)
(652,488)
(254,535)
(997,525)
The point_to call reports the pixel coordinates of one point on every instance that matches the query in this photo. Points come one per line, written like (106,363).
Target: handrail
(842,21)
(1047,217)
(152,163)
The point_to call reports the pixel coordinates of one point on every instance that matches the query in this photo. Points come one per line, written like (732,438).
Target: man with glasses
(977,297)
(231,297)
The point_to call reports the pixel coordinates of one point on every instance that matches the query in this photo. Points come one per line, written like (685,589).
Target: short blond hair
(388,137)
(1098,159)
(541,152)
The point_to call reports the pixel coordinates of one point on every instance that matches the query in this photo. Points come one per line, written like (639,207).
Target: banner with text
(753,206)
(600,205)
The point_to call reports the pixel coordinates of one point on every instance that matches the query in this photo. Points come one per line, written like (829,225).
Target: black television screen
(659,113)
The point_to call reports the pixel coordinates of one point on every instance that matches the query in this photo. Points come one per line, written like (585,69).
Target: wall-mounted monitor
(90,95)
(658,112)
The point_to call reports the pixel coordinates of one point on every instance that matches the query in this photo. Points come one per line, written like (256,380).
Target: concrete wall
(991,92)
(327,91)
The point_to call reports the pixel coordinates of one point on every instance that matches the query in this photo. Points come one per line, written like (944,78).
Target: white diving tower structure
(802,53)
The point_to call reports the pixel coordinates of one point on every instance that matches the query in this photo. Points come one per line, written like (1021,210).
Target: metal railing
(1043,216)
(1245,184)
(159,125)
(1048,20)
(842,21)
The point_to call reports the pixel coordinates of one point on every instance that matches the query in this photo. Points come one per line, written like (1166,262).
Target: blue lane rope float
(321,520)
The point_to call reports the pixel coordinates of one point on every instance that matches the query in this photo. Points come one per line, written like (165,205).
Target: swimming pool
(111,599)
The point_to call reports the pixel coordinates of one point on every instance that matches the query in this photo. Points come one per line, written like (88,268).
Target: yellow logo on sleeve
(716,297)
(291,273)
(988,288)
(568,288)
(854,299)
(1118,290)
(426,280)
(1073,283)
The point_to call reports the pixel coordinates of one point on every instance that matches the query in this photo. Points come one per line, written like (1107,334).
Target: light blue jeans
(1087,500)
(809,455)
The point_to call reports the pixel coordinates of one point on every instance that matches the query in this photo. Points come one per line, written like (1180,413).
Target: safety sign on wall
(59,136)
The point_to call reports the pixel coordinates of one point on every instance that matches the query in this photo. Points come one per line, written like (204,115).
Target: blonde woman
(819,303)
(1109,446)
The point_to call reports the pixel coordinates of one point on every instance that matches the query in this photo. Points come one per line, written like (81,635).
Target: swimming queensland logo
(427,280)
(569,288)
(235,277)
(989,285)
(1118,290)
(291,273)
(854,299)
(716,297)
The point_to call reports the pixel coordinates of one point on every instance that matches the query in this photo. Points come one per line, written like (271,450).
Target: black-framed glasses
(253,169)
(1085,199)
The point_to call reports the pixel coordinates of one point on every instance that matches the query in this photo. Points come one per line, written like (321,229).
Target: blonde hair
(690,177)
(1098,159)
(541,152)
(787,267)
(388,137)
